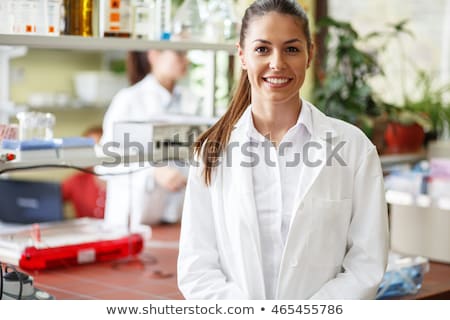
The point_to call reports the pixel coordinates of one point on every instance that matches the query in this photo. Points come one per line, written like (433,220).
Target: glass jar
(35,125)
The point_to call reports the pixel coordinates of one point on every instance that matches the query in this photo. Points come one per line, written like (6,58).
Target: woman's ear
(241,56)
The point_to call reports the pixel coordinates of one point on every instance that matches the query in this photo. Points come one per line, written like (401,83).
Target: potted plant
(424,115)
(343,91)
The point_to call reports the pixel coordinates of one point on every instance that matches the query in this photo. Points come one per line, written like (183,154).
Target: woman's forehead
(274,25)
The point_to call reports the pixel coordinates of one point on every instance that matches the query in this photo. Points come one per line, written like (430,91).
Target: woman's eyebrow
(286,42)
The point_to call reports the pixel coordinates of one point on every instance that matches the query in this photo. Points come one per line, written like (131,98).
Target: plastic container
(25,13)
(163,10)
(404,275)
(143,19)
(118,22)
(53,17)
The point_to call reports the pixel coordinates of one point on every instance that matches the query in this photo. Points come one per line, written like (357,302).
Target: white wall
(426,20)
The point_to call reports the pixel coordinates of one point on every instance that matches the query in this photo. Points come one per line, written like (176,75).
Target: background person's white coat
(338,240)
(138,197)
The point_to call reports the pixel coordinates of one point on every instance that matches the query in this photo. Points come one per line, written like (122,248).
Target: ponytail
(215,139)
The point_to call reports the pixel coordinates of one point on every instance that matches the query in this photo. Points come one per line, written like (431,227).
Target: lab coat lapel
(245,224)
(246,193)
(315,159)
(315,155)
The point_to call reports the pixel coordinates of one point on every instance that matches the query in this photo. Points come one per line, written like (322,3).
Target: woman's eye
(292,49)
(261,50)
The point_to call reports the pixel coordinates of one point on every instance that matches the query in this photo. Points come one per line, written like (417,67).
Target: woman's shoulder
(354,138)
(339,127)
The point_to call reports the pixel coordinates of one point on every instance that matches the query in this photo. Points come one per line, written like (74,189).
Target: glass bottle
(188,23)
(221,23)
(79,17)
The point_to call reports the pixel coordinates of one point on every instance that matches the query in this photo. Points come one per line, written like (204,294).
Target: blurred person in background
(154,195)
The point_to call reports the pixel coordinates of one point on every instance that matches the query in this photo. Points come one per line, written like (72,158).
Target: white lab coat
(338,239)
(137,197)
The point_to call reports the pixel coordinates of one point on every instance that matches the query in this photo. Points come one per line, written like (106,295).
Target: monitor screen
(30,201)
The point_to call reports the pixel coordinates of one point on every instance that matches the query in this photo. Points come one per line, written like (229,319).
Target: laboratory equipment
(159,140)
(16,285)
(70,242)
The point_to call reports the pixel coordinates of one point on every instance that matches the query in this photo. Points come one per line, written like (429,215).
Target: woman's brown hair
(213,142)
(137,66)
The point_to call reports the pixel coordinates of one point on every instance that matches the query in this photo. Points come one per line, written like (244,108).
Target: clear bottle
(35,125)
(24,14)
(54,11)
(221,23)
(188,23)
(118,18)
(49,13)
(143,19)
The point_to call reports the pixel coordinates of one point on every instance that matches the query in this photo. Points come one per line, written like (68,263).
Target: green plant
(428,107)
(425,105)
(344,92)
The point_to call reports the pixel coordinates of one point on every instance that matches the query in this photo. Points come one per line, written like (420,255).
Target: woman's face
(170,64)
(275,55)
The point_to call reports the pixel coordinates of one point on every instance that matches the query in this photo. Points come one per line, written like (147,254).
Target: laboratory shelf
(402,198)
(106,44)
(399,158)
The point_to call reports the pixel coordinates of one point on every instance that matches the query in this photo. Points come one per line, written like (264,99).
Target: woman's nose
(277,61)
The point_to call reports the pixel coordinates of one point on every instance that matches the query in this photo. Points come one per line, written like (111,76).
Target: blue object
(165,36)
(77,142)
(32,144)
(30,201)
(401,282)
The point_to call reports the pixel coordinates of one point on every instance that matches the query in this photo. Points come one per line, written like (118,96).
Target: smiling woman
(281,228)
(276,53)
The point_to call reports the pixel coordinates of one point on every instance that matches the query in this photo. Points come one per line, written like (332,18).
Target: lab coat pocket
(331,220)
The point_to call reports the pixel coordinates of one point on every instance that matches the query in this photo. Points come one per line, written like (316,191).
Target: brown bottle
(78,17)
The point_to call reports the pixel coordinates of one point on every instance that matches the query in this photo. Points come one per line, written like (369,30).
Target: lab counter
(153,275)
(435,286)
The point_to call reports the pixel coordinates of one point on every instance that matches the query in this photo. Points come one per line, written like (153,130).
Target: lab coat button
(302,205)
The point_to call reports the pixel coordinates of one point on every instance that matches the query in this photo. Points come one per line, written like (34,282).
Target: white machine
(160,140)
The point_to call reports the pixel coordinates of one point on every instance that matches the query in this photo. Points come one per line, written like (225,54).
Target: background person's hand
(170,179)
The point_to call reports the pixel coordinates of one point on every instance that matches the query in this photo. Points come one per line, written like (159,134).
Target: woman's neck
(275,119)
(167,83)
